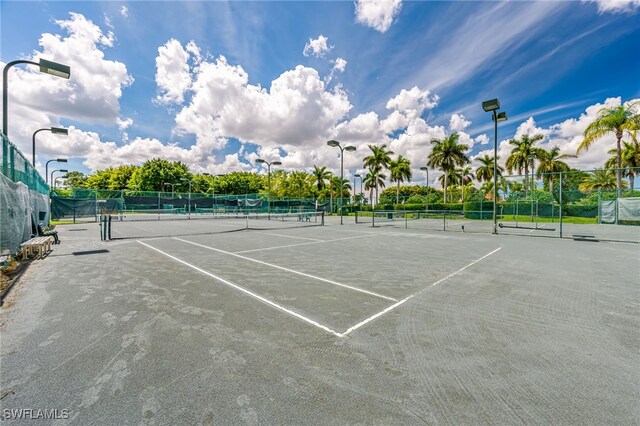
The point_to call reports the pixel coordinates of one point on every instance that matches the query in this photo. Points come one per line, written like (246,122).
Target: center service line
(395,305)
(371,293)
(244,290)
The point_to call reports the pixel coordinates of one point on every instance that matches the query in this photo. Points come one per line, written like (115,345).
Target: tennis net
(177,222)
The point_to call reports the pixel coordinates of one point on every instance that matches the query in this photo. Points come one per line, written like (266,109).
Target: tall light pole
(532,157)
(492,106)
(189,202)
(426,205)
(54,130)
(46,167)
(269,164)
(47,67)
(334,143)
(172,185)
(58,170)
(355,190)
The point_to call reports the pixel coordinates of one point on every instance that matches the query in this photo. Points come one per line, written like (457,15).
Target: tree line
(447,155)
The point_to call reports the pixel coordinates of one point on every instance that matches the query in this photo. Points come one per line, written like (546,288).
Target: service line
(250,293)
(305,244)
(282,268)
(395,305)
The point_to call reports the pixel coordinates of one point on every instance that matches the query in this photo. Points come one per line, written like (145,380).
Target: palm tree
(380,158)
(617,120)
(521,155)
(630,161)
(372,180)
(550,164)
(320,176)
(446,154)
(484,173)
(399,170)
(600,179)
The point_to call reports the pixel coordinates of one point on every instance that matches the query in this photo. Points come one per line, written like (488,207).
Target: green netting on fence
(17,168)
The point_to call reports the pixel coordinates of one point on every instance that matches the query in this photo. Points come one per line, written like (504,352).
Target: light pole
(493,105)
(426,205)
(48,67)
(355,190)
(172,185)
(58,170)
(334,143)
(269,164)
(46,167)
(189,202)
(54,130)
(532,157)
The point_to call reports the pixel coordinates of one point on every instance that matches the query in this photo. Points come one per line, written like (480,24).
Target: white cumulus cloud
(339,65)
(318,47)
(413,102)
(172,72)
(617,6)
(458,123)
(377,14)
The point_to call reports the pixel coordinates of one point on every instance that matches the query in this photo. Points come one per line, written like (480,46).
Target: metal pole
(341,181)
(560,200)
(426,205)
(495,172)
(269,194)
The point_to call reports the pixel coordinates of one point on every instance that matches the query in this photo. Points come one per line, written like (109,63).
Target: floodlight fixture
(333,143)
(501,116)
(491,105)
(55,68)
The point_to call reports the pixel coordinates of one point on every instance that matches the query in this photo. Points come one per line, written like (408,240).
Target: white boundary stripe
(371,318)
(292,236)
(303,244)
(371,293)
(244,290)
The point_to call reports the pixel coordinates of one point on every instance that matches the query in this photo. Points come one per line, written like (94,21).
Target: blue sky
(389,72)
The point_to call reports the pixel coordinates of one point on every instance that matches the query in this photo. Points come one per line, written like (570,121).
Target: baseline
(250,293)
(371,293)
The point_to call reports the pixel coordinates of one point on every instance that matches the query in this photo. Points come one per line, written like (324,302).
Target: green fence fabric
(17,168)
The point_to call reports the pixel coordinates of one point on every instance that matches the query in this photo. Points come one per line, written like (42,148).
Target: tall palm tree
(550,163)
(372,181)
(630,161)
(380,158)
(320,175)
(399,170)
(446,154)
(520,157)
(484,173)
(617,120)
(600,179)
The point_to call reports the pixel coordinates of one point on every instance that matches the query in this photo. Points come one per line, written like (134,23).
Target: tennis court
(294,322)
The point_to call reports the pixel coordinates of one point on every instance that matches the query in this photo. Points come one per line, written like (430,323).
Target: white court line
(250,293)
(541,226)
(302,244)
(371,293)
(292,236)
(371,318)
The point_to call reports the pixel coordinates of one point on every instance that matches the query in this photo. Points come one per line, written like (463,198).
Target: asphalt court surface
(312,274)
(335,325)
